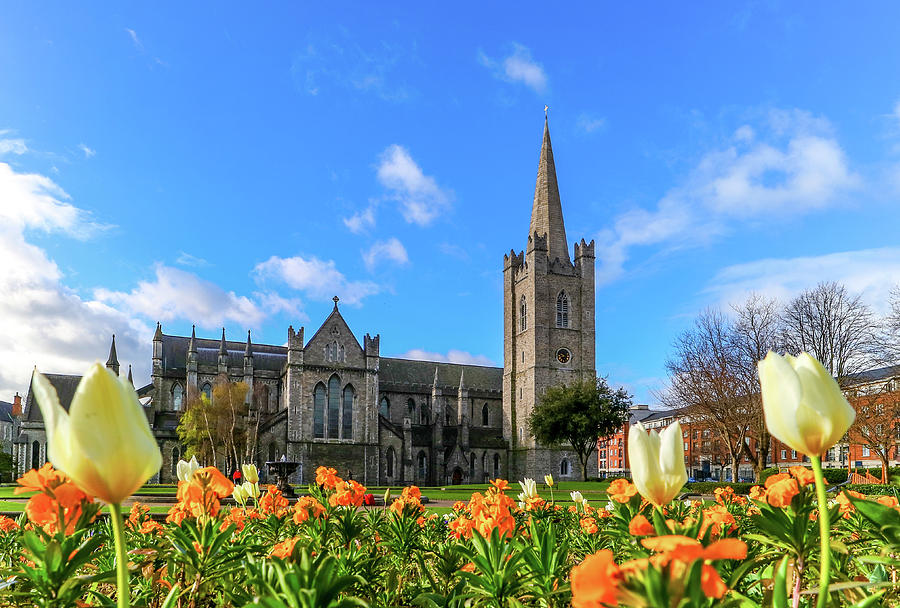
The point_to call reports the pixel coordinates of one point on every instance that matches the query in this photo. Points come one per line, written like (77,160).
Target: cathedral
(331,399)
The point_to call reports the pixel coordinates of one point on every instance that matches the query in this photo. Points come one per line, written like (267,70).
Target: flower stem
(123,598)
(824,530)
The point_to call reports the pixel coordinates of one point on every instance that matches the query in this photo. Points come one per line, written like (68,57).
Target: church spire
(192,345)
(130,377)
(223,349)
(113,362)
(248,352)
(546,212)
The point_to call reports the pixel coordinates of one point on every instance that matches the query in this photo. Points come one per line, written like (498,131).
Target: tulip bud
(185,470)
(251,489)
(577,498)
(803,405)
(548,479)
(657,462)
(251,474)
(240,495)
(529,488)
(103,443)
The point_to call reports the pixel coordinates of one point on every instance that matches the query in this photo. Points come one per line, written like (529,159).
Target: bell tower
(548,322)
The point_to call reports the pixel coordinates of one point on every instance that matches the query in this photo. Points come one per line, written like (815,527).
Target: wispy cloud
(88,152)
(455,251)
(11,145)
(795,167)
(588,124)
(134,39)
(318,279)
(391,250)
(451,356)
(186,259)
(517,67)
(361,221)
(421,199)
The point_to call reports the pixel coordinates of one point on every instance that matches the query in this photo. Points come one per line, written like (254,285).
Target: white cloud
(134,39)
(176,294)
(589,124)
(797,167)
(88,152)
(186,259)
(421,199)
(454,251)
(452,356)
(389,250)
(519,67)
(870,272)
(318,279)
(11,145)
(361,221)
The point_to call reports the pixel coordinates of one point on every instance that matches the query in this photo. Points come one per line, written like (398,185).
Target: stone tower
(548,324)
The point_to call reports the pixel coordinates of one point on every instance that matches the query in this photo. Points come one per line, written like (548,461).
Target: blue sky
(224,164)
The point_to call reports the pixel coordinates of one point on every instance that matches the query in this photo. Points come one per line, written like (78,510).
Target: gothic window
(334,406)
(564,467)
(472,466)
(390,462)
(385,408)
(485,416)
(273,452)
(347,413)
(177,397)
(562,309)
(496,466)
(411,407)
(207,390)
(523,315)
(425,414)
(176,456)
(423,466)
(319,412)
(263,398)
(36,455)
(484,464)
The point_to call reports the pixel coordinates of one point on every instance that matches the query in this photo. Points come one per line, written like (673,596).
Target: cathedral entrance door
(457,476)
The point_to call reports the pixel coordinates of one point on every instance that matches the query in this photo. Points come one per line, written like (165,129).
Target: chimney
(17,405)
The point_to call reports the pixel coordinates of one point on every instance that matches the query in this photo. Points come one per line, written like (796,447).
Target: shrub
(708,487)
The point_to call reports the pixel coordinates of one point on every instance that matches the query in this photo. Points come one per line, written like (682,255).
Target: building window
(411,409)
(319,412)
(783,454)
(425,414)
(385,409)
(207,390)
(496,466)
(485,416)
(484,464)
(866,452)
(390,461)
(794,454)
(334,407)
(564,468)
(177,397)
(176,456)
(423,466)
(562,309)
(523,316)
(347,413)
(36,455)
(472,466)
(273,452)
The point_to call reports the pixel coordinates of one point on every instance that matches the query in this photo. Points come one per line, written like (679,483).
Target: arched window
(390,462)
(176,456)
(523,315)
(411,408)
(425,414)
(496,466)
(385,408)
(564,467)
(207,390)
(562,309)
(177,397)
(484,463)
(347,413)
(273,452)
(334,406)
(36,455)
(485,416)
(423,466)
(472,466)
(263,398)
(319,411)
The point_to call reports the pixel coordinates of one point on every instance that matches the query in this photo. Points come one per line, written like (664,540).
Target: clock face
(563,356)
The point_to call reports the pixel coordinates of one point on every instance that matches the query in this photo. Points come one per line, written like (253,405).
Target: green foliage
(578,415)
(832,476)
(709,487)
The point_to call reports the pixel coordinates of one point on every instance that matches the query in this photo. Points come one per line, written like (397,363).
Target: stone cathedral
(331,399)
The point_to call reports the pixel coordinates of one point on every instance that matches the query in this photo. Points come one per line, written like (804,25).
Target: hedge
(709,487)
(832,476)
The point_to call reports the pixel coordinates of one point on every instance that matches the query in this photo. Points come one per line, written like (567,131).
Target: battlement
(513,260)
(537,242)
(584,250)
(295,339)
(371,345)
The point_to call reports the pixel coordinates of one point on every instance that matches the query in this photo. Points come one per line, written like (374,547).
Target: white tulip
(185,470)
(577,498)
(657,462)
(529,488)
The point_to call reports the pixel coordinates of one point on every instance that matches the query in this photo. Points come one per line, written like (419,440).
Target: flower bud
(251,489)
(577,498)
(239,495)
(657,462)
(185,470)
(250,473)
(548,479)
(529,488)
(803,405)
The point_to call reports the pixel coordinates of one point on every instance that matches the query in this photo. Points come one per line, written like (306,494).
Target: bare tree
(834,327)
(706,380)
(757,331)
(876,416)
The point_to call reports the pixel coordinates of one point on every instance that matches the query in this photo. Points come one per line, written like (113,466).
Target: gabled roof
(65,385)
(411,371)
(873,375)
(6,411)
(175,348)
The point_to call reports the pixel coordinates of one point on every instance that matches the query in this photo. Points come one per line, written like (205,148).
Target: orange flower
(501,484)
(589,525)
(595,581)
(718,517)
(621,490)
(37,480)
(462,527)
(307,507)
(773,479)
(888,501)
(803,475)
(724,495)
(758,493)
(273,502)
(640,526)
(56,495)
(846,506)
(711,583)
(284,549)
(459,506)
(782,491)
(327,477)
(7,524)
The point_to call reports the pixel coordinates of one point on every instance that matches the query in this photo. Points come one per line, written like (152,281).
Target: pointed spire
(113,362)
(248,352)
(192,345)
(130,377)
(546,212)
(434,384)
(158,334)
(223,350)
(462,380)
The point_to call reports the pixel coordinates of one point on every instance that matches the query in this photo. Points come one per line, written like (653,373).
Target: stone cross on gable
(336,299)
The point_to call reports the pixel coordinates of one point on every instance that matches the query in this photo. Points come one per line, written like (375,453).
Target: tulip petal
(822,393)
(781,395)
(671,460)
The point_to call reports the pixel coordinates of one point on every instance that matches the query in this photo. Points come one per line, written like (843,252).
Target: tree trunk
(735,459)
(584,467)
(884,467)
